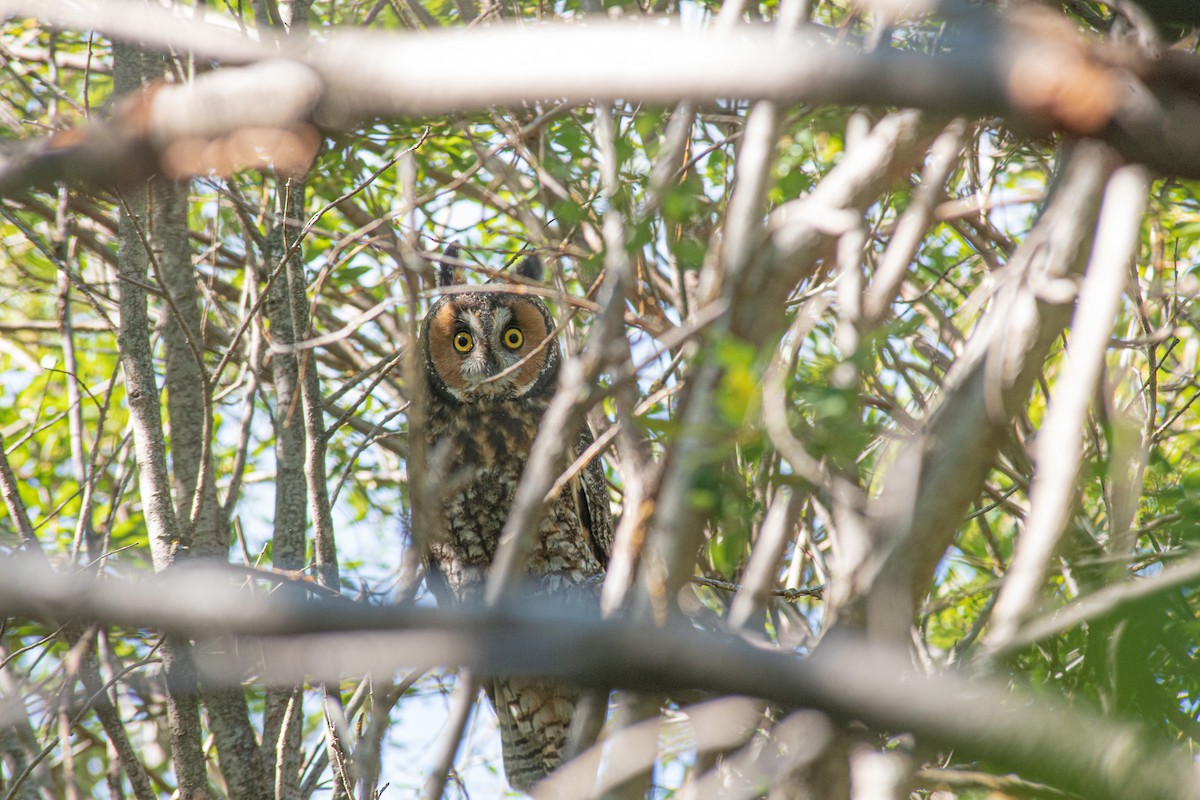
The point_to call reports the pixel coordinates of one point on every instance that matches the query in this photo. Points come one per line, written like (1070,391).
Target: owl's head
(489,345)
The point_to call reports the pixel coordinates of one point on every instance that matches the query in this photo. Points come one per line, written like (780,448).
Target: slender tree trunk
(132,69)
(281,742)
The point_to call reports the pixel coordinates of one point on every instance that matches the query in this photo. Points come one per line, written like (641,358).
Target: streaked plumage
(491,375)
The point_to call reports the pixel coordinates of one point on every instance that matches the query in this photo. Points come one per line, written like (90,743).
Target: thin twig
(791,595)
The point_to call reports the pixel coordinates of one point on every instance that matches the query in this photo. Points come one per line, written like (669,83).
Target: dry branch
(1060,440)
(928,491)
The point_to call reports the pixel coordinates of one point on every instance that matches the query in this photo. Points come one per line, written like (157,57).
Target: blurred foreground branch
(846,678)
(1035,74)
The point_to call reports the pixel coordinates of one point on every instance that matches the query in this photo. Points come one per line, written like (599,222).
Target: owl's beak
(481,380)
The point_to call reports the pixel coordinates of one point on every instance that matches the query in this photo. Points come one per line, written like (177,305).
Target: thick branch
(846,678)
(1042,77)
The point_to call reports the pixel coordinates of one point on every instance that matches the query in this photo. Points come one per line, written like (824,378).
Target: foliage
(381,201)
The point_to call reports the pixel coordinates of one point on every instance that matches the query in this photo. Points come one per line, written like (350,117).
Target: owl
(492,366)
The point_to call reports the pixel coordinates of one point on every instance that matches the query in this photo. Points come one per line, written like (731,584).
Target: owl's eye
(513,338)
(463,342)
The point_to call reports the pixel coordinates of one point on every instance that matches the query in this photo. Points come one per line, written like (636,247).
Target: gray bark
(185,379)
(294,442)
(132,68)
(324,546)
(288,540)
(291,495)
(188,401)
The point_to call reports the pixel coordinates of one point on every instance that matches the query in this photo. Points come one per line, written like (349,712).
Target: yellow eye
(513,338)
(463,342)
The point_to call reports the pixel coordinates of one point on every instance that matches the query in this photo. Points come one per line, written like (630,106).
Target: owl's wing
(591,498)
(436,580)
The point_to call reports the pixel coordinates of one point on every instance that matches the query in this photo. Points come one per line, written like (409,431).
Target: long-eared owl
(492,364)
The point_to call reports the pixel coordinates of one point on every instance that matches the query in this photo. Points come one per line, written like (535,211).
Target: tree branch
(846,678)
(1044,78)
(1059,445)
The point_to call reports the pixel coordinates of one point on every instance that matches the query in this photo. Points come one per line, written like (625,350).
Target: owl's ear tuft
(531,267)
(448,274)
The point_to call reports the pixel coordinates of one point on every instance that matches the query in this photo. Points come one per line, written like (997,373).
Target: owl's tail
(535,721)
